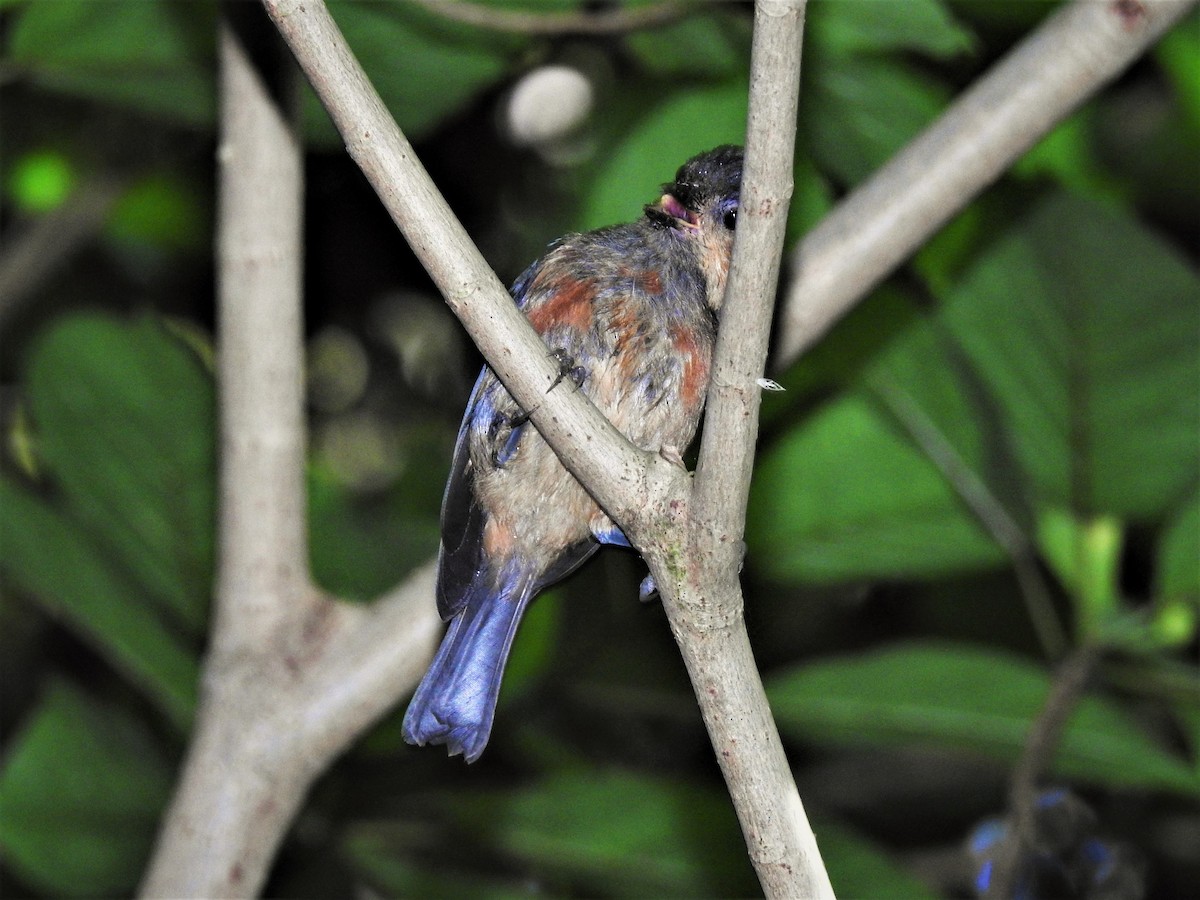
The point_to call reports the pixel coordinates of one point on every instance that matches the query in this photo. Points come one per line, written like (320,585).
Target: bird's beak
(679,212)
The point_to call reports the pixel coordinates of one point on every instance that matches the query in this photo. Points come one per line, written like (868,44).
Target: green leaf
(58,564)
(151,55)
(713,44)
(852,26)
(1177,579)
(969,698)
(124,415)
(690,121)
(1086,558)
(1086,330)
(380,851)
(80,797)
(161,211)
(616,833)
(360,545)
(425,66)
(1179,555)
(535,644)
(846,496)
(858,111)
(857,868)
(1068,154)
(1179,55)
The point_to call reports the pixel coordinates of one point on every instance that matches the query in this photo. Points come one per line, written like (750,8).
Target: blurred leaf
(858,868)
(425,66)
(1068,155)
(838,360)
(1179,54)
(535,644)
(811,202)
(1055,366)
(858,111)
(80,796)
(940,260)
(852,26)
(125,418)
(1086,329)
(845,496)
(617,833)
(715,43)
(163,211)
(151,55)
(690,121)
(379,853)
(1178,575)
(969,698)
(56,561)
(362,545)
(1085,556)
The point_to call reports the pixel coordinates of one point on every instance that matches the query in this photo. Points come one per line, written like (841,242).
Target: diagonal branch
(618,474)
(616,20)
(1074,53)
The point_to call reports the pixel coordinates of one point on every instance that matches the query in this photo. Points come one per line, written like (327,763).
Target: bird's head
(701,205)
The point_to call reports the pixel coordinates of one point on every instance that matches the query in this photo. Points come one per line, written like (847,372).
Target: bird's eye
(730,220)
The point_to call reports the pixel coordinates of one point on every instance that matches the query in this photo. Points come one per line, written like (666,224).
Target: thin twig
(45,246)
(1045,734)
(617,20)
(986,507)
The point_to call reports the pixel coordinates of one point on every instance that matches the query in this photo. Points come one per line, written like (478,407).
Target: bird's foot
(567,369)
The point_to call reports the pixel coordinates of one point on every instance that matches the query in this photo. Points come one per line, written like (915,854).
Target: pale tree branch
(618,474)
(518,21)
(706,610)
(1074,53)
(292,677)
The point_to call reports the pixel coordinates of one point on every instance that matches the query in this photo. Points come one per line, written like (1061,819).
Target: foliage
(1025,391)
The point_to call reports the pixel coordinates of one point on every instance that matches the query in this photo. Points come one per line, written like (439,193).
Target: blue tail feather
(456,700)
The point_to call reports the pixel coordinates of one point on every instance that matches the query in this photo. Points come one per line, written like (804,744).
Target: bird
(630,312)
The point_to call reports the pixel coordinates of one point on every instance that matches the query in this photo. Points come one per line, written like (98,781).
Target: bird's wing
(460,558)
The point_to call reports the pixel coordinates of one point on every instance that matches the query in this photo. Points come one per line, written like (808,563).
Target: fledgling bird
(630,312)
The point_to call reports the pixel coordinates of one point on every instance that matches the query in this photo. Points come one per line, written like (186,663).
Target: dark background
(1047,339)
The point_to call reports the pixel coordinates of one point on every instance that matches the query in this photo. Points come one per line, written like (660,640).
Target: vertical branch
(1045,735)
(263,544)
(734,396)
(262,575)
(292,676)
(705,606)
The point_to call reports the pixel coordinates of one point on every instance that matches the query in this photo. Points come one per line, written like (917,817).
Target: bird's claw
(567,369)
